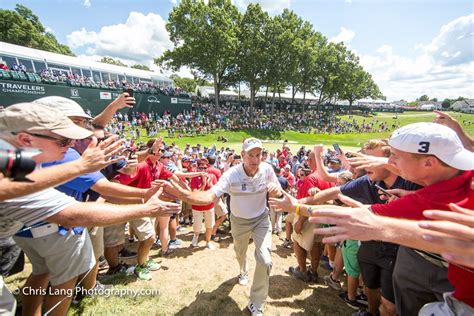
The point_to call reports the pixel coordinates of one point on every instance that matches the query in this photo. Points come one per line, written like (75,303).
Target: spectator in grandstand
(3,65)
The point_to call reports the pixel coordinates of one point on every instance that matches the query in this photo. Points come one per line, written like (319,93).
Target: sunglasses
(65,142)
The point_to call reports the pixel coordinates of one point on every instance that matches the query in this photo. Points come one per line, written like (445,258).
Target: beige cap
(65,105)
(31,117)
(251,143)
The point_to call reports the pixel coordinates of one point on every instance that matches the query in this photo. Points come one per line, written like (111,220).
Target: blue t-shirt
(363,190)
(77,186)
(283,182)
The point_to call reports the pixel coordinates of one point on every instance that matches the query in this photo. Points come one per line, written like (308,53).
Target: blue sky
(410,47)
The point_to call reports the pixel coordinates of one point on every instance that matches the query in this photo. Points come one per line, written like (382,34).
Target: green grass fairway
(273,139)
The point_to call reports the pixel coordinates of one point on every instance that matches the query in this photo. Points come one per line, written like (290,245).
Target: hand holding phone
(337,148)
(129,91)
(390,195)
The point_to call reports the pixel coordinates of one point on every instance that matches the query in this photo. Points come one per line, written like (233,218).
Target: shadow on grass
(217,302)
(320,302)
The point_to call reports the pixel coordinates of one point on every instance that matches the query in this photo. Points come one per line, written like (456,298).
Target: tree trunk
(216,94)
(273,103)
(293,93)
(304,100)
(252,97)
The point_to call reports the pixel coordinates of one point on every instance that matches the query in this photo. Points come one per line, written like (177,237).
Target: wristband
(297,212)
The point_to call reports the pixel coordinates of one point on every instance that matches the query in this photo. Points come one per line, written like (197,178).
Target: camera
(17,163)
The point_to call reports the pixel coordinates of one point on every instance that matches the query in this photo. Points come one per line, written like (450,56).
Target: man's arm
(174,188)
(103,214)
(107,114)
(94,158)
(323,174)
(322,196)
(451,122)
(361,224)
(106,188)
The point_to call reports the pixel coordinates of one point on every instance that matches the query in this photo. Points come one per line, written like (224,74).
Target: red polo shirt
(196,184)
(145,174)
(214,171)
(462,278)
(432,197)
(437,197)
(311,181)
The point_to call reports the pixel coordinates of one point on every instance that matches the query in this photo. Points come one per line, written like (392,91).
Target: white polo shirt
(248,195)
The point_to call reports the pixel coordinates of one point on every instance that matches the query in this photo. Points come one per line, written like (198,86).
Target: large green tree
(204,35)
(253,49)
(112,61)
(142,67)
(22,27)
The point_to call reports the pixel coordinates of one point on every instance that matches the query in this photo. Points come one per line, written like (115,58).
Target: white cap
(65,105)
(251,143)
(433,139)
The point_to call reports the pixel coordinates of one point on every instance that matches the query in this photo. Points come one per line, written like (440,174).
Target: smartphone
(130,152)
(129,91)
(337,149)
(384,191)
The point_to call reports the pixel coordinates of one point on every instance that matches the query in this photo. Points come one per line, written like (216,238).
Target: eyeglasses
(202,168)
(65,142)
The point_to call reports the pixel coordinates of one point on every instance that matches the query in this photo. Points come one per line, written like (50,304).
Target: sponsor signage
(153,99)
(174,100)
(180,100)
(22,88)
(75,94)
(105,95)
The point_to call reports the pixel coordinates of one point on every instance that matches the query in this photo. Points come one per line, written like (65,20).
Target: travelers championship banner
(94,99)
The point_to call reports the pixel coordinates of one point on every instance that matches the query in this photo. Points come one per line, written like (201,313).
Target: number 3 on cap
(424,147)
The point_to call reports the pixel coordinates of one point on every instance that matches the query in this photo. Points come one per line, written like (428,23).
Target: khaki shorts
(307,238)
(143,228)
(114,235)
(97,239)
(209,220)
(62,257)
(220,208)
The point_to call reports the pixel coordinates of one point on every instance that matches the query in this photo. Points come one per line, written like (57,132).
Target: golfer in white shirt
(248,184)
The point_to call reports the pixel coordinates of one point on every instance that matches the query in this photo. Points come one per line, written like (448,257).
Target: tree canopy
(227,47)
(22,27)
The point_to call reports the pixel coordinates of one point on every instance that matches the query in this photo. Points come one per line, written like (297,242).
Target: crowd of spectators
(135,180)
(204,119)
(49,75)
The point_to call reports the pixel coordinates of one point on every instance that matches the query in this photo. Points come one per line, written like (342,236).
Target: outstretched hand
(287,203)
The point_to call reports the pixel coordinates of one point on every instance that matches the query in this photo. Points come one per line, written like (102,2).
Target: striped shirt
(31,209)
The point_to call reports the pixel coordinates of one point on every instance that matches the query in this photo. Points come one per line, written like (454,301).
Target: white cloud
(271,6)
(80,38)
(174,2)
(444,68)
(453,45)
(87,3)
(345,35)
(140,39)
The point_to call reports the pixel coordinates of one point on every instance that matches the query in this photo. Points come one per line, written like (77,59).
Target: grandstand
(91,84)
